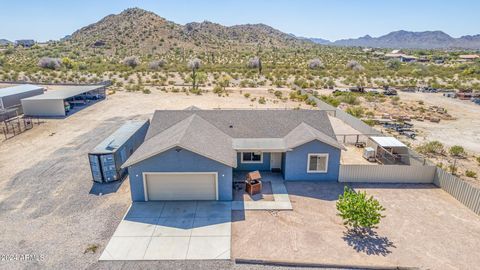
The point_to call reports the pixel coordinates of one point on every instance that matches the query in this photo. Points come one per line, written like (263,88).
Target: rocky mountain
(140,30)
(414,40)
(5,42)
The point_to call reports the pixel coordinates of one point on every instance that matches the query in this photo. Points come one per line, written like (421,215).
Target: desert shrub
(131,61)
(218,90)
(478,160)
(330,100)
(315,64)
(456,151)
(393,64)
(262,100)
(254,62)
(470,174)
(354,65)
(356,111)
(246,95)
(369,122)
(50,63)
(358,211)
(278,94)
(433,147)
(157,64)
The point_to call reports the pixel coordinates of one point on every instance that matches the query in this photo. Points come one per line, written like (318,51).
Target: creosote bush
(315,64)
(131,61)
(50,63)
(456,151)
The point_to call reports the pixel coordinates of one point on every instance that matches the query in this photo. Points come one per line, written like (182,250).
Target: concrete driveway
(184,230)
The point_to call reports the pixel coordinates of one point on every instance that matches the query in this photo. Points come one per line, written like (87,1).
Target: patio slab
(281,200)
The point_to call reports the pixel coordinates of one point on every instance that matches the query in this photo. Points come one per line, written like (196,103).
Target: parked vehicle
(390,92)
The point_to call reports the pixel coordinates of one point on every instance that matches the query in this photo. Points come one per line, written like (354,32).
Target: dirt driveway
(424,227)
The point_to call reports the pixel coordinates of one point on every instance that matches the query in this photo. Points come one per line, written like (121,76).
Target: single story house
(192,154)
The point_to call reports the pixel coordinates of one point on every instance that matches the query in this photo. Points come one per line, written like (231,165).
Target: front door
(275,161)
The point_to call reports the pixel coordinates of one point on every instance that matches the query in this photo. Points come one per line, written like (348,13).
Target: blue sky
(331,19)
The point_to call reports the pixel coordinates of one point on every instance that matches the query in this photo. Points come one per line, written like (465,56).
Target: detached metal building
(107,157)
(12,96)
(52,102)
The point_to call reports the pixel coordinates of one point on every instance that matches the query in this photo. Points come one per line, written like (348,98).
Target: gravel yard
(49,207)
(424,227)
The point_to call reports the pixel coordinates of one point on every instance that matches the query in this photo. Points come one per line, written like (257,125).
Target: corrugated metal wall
(459,189)
(386,174)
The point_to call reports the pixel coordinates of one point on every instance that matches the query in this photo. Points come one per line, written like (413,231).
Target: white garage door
(180,186)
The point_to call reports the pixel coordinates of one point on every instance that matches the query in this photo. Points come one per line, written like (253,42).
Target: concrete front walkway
(281,201)
(184,230)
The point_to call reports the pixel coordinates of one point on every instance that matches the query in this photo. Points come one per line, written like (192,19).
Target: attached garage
(170,186)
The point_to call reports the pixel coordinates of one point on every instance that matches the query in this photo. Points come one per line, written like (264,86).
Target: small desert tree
(194,65)
(358,211)
(50,63)
(224,81)
(315,64)
(355,66)
(255,62)
(131,61)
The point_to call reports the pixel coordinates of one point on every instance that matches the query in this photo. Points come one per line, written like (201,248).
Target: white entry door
(275,161)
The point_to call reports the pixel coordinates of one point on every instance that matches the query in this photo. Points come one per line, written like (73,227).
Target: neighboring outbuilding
(389,150)
(58,103)
(192,154)
(10,97)
(107,157)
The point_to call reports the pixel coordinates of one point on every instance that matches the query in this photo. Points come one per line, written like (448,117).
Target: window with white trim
(317,163)
(252,157)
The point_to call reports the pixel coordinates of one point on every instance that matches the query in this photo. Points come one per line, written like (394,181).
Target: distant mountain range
(139,31)
(408,40)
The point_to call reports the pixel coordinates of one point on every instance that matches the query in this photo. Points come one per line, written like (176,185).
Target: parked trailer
(107,157)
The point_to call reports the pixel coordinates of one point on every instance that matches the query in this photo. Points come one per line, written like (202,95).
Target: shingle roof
(217,134)
(246,123)
(192,133)
(304,133)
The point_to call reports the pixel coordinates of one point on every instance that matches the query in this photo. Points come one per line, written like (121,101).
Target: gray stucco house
(192,154)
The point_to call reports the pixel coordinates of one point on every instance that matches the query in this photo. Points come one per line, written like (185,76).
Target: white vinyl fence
(386,174)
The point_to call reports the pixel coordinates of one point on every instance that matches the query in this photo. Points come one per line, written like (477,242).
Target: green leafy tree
(358,211)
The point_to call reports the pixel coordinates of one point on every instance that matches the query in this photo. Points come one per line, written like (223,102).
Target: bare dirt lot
(464,130)
(49,206)
(424,227)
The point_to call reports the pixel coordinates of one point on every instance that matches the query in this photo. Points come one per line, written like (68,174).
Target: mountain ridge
(402,39)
